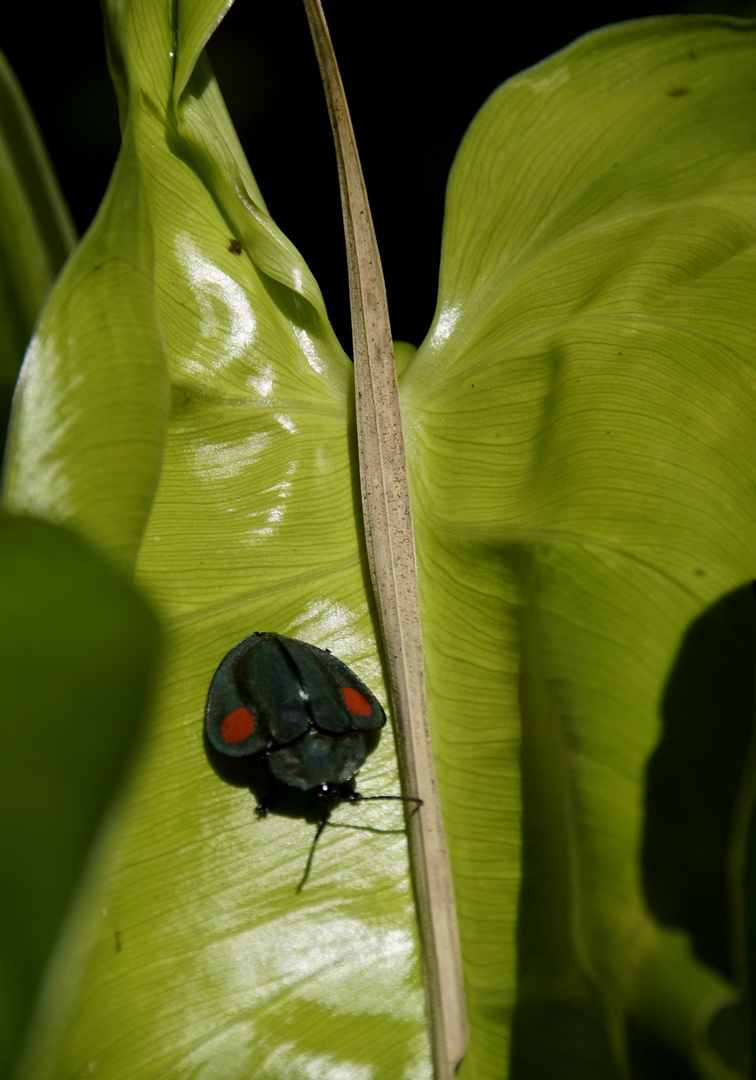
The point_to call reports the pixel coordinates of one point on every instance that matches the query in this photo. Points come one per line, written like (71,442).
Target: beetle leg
(348,794)
(323,822)
(265,804)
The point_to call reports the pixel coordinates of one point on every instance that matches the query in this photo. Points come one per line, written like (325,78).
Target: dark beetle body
(298,707)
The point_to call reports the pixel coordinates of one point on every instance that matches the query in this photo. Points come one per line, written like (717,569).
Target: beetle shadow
(328,824)
(366,828)
(250,773)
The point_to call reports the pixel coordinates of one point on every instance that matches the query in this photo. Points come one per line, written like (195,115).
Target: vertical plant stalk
(391,552)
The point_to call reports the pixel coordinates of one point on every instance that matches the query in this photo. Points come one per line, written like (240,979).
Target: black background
(414,79)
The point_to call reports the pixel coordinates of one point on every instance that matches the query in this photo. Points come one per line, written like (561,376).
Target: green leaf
(36,231)
(78,650)
(252,526)
(579,424)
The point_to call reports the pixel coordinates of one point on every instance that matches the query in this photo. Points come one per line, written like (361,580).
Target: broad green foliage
(579,424)
(216,379)
(582,416)
(79,647)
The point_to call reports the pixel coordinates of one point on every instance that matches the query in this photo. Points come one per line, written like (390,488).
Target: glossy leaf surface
(216,376)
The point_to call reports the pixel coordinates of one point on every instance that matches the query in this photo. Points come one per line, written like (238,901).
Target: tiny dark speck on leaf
(234,247)
(699,572)
(679,91)
(118,941)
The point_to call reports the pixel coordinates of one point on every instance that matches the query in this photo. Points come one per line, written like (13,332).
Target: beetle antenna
(311,856)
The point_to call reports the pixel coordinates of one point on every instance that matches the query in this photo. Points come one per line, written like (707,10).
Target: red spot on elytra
(356,702)
(237,726)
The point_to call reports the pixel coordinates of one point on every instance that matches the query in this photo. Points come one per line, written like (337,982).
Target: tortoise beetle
(301,710)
